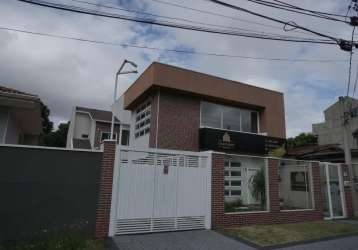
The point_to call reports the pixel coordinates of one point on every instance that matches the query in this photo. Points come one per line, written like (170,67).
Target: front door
(332,191)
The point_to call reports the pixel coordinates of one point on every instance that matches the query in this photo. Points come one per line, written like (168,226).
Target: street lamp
(116,84)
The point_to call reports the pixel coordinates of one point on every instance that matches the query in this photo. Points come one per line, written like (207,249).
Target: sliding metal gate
(160,190)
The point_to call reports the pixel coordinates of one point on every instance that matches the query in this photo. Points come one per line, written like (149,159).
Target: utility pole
(345,118)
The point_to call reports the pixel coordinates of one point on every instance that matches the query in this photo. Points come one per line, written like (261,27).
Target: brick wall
(105,190)
(179,121)
(273,215)
(348,192)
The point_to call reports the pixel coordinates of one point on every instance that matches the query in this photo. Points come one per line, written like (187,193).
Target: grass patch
(269,235)
(61,242)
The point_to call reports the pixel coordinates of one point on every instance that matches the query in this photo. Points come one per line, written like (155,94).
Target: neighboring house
(176,108)
(89,127)
(20,117)
(331,130)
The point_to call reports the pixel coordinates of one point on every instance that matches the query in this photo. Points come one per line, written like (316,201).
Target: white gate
(160,190)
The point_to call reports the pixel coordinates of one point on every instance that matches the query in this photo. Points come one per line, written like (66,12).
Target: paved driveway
(187,240)
(210,240)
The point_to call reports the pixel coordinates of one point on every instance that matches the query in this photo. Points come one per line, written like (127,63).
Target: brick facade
(178,121)
(105,190)
(347,192)
(273,215)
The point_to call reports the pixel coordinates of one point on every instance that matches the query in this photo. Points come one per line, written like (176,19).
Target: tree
(57,138)
(48,137)
(302,139)
(47,125)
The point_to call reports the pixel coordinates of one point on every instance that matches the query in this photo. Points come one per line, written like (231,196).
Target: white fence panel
(160,190)
(191,191)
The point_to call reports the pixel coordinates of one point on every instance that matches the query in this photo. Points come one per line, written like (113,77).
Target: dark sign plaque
(238,142)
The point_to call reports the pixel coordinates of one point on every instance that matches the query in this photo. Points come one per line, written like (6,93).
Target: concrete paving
(211,240)
(186,240)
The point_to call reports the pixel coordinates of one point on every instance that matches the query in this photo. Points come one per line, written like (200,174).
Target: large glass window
(230,118)
(211,114)
(245,184)
(295,185)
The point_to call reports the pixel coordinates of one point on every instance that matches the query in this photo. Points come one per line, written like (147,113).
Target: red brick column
(347,191)
(217,190)
(273,184)
(317,192)
(105,190)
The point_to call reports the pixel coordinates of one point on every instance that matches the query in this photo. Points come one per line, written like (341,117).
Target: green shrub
(231,206)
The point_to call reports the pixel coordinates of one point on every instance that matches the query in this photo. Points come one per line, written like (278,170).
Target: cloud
(68,73)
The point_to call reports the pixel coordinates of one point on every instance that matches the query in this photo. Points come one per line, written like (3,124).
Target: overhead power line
(170,18)
(296,10)
(137,46)
(224,16)
(308,10)
(290,24)
(87,11)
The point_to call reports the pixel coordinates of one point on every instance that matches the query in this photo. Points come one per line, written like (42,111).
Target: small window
(235,173)
(236,183)
(235,192)
(85,136)
(235,164)
(142,124)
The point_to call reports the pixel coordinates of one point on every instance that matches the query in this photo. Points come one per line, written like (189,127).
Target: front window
(245,184)
(228,117)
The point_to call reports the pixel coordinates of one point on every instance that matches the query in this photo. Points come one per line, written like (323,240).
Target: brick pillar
(347,191)
(274,199)
(105,189)
(217,190)
(316,182)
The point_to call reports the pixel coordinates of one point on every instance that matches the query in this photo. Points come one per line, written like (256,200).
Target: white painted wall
(300,199)
(4,116)
(12,133)
(71,129)
(82,125)
(124,116)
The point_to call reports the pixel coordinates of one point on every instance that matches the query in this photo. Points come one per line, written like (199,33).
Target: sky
(67,73)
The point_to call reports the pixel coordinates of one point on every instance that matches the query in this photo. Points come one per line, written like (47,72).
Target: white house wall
(294,198)
(124,116)
(12,132)
(82,125)
(4,116)
(71,129)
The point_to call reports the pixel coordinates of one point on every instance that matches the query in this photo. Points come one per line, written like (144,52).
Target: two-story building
(176,108)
